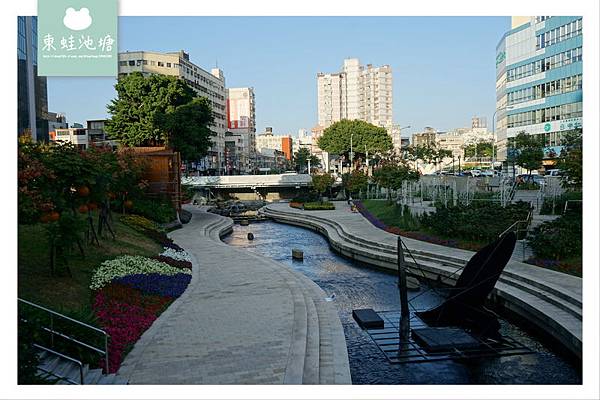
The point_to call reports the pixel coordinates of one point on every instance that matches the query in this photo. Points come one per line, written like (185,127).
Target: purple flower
(162,285)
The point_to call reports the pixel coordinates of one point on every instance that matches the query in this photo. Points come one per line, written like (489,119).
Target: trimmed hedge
(326,205)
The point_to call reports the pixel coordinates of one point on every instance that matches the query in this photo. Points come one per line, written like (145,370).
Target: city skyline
(281,56)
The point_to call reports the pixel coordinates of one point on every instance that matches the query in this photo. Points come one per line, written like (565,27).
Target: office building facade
(206,84)
(32,92)
(539,83)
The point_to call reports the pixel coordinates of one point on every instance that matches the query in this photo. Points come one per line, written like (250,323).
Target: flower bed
(125,314)
(131,292)
(173,263)
(171,286)
(140,223)
(179,255)
(129,265)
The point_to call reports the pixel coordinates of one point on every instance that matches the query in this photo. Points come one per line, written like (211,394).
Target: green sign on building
(77,38)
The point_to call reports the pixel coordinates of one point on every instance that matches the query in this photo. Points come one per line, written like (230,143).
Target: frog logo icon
(77,20)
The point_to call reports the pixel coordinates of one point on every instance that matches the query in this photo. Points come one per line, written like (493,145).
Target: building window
(168,65)
(132,63)
(161,64)
(122,63)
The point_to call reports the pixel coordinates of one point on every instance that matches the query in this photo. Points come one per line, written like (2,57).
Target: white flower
(130,265)
(176,255)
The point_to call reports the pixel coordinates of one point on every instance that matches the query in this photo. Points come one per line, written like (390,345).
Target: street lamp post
(351,154)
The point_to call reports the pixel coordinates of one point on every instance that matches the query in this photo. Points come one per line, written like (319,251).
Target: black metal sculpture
(465,305)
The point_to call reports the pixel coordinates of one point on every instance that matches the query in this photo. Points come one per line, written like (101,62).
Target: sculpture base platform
(444,339)
(367,319)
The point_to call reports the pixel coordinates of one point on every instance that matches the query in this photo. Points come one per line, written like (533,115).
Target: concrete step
(562,325)
(548,296)
(92,377)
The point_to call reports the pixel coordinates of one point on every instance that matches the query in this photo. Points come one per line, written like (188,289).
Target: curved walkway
(244,319)
(548,299)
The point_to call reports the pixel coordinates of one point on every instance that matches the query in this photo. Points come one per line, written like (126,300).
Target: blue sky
(443,67)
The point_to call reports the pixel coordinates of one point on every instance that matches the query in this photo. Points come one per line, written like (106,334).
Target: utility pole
(309,165)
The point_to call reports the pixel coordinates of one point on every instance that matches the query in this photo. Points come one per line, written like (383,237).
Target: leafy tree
(481,149)
(160,110)
(301,157)
(336,138)
(571,160)
(322,182)
(355,181)
(187,128)
(529,151)
(392,175)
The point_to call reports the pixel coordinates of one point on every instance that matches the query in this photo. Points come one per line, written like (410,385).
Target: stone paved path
(244,319)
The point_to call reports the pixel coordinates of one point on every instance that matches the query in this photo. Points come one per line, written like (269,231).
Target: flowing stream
(358,286)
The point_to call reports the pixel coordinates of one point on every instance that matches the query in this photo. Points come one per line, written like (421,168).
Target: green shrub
(160,211)
(319,206)
(558,239)
(480,221)
(306,197)
(558,204)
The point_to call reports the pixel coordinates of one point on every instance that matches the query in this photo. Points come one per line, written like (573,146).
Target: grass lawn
(387,213)
(71,295)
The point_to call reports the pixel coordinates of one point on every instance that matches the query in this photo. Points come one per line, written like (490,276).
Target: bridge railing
(248,180)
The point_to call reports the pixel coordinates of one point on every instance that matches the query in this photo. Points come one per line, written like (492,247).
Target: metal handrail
(572,201)
(514,224)
(53,332)
(56,353)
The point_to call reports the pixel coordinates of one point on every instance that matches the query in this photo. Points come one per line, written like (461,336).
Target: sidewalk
(243,319)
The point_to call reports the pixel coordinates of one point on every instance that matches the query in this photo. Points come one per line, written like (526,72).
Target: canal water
(358,286)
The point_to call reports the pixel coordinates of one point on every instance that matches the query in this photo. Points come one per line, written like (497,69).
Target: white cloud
(77,20)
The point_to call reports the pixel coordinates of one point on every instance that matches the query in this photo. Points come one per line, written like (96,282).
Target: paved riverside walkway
(244,319)
(550,300)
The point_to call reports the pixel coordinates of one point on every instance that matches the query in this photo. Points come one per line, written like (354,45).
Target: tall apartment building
(32,92)
(241,122)
(539,72)
(357,92)
(206,84)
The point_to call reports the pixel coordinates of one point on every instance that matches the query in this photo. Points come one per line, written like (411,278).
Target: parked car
(554,172)
(537,179)
(475,172)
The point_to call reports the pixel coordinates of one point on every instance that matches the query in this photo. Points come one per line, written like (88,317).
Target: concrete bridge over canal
(249,187)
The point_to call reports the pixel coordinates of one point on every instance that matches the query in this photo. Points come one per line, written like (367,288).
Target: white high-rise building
(206,84)
(357,92)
